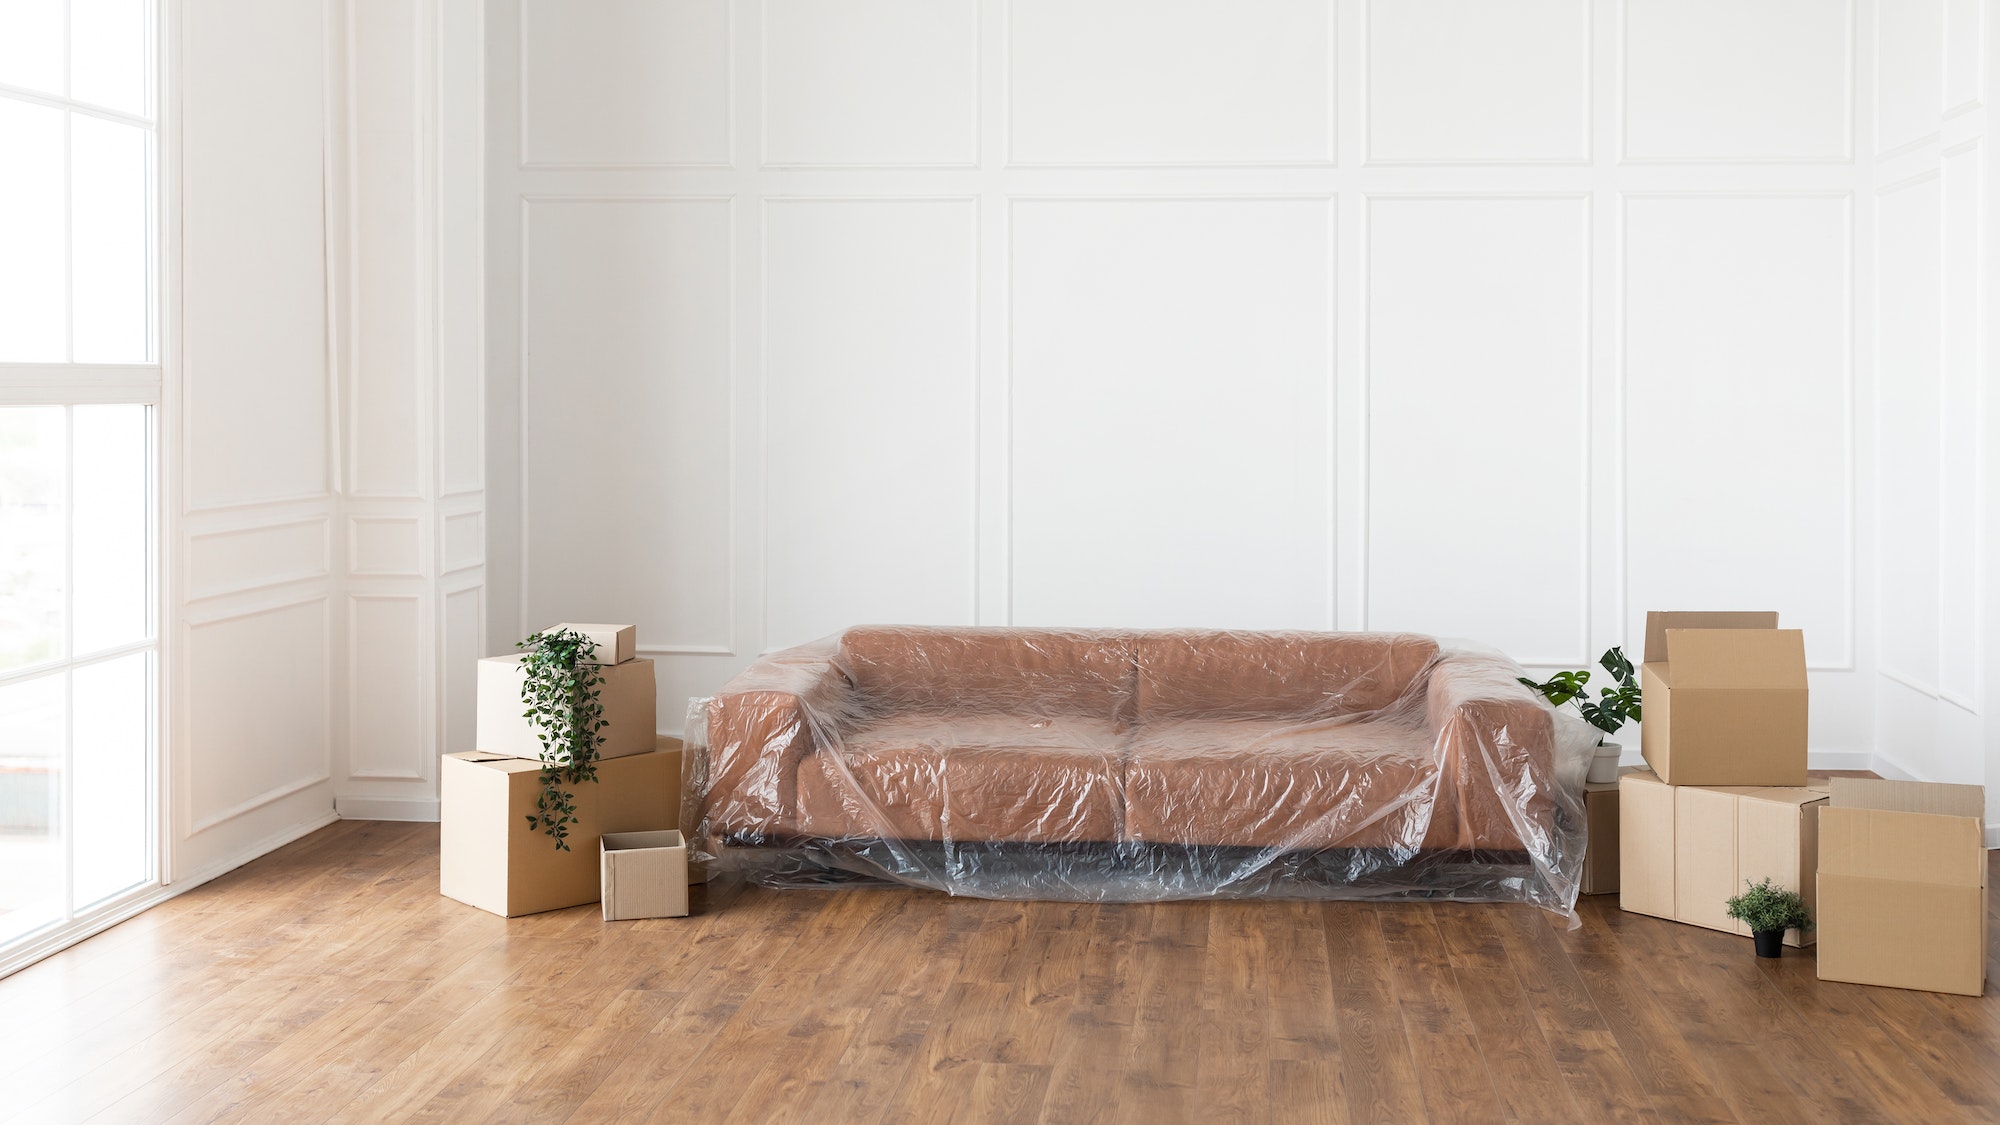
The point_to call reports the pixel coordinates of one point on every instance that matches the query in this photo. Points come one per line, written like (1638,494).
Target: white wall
(325,577)
(1936,404)
(1508,318)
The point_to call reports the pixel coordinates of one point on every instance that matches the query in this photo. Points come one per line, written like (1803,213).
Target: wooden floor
(330,982)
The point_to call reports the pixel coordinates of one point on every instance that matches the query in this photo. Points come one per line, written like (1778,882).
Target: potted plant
(1612,709)
(1769,910)
(562,692)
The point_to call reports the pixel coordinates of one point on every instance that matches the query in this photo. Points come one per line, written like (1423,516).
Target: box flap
(1657,624)
(1909,796)
(1757,659)
(1907,846)
(1776,794)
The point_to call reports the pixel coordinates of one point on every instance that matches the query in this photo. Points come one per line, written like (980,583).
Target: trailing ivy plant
(562,692)
(1613,707)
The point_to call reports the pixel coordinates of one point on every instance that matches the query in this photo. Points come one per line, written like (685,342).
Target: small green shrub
(1767,906)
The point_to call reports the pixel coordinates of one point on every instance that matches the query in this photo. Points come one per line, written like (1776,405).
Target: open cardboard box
(1684,850)
(1725,699)
(645,875)
(492,859)
(1903,886)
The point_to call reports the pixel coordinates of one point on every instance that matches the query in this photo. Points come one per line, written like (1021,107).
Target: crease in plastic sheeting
(1142,766)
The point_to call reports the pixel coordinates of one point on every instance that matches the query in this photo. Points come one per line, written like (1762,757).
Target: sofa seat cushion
(1297,786)
(983,777)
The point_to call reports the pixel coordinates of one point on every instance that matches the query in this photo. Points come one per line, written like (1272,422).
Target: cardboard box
(645,875)
(1600,854)
(611,644)
(1903,886)
(628,695)
(490,858)
(1685,850)
(1725,699)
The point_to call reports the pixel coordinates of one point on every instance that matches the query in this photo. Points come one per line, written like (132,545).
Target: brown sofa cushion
(1191,674)
(989,777)
(1295,786)
(971,670)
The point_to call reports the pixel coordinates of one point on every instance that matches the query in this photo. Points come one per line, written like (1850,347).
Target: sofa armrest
(762,723)
(1496,742)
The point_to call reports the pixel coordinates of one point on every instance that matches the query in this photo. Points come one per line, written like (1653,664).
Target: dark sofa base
(1137,872)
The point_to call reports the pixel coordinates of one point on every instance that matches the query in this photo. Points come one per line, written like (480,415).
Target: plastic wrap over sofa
(1121,765)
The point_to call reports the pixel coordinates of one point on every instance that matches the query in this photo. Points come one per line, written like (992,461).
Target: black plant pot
(1770,943)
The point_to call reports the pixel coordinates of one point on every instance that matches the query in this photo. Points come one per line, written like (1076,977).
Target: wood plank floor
(329,982)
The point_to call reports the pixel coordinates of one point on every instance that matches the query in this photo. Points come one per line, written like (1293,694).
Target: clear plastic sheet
(1099,765)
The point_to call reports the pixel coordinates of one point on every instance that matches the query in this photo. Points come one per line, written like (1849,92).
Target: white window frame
(157,386)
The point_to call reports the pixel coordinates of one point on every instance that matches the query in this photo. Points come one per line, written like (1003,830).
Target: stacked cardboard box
(491,856)
(1895,871)
(1725,802)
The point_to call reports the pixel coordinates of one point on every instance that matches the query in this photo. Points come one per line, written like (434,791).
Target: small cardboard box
(1600,854)
(628,696)
(1684,850)
(1725,699)
(489,857)
(645,875)
(611,644)
(1902,886)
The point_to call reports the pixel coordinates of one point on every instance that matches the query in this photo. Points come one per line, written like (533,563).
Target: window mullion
(67,789)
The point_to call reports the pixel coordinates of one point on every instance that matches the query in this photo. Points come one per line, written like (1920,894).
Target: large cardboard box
(628,696)
(1684,850)
(645,875)
(610,644)
(1725,699)
(1600,855)
(1902,885)
(492,859)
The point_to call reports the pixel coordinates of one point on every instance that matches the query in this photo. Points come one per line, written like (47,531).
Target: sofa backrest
(1023,671)
(1214,674)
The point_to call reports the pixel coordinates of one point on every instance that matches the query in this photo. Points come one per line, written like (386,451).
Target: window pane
(31,849)
(108,776)
(31,44)
(32,274)
(31,535)
(110,185)
(109,54)
(108,495)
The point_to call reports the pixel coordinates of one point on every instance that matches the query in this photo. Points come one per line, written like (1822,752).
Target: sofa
(1103,764)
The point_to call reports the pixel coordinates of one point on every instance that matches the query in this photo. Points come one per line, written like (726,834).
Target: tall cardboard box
(1725,699)
(1684,850)
(627,695)
(1600,854)
(1903,887)
(490,857)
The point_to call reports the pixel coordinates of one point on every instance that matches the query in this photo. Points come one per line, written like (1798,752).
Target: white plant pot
(1604,764)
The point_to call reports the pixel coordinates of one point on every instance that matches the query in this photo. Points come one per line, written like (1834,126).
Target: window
(79,393)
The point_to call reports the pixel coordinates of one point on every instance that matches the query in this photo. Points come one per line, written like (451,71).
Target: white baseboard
(421,809)
(55,941)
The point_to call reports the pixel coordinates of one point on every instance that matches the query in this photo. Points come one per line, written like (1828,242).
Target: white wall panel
(1478,431)
(627,369)
(1169,82)
(1959,511)
(464,633)
(625,82)
(257,722)
(391,319)
(464,541)
(385,687)
(1908,404)
(1909,71)
(1171,374)
(1964,76)
(871,82)
(253,267)
(238,559)
(383,546)
(1479,80)
(1751,80)
(1736,373)
(869,401)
